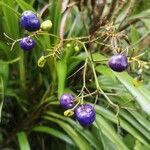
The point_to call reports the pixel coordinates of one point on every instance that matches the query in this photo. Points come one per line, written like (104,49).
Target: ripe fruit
(27,43)
(118,63)
(29,21)
(85,114)
(67,101)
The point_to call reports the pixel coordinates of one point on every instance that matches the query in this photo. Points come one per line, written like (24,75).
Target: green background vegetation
(30,115)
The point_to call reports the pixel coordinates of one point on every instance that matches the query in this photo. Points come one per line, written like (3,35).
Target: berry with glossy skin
(67,101)
(85,114)
(29,21)
(27,43)
(118,63)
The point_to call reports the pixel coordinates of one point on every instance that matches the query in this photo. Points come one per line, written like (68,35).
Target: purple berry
(85,114)
(67,101)
(27,43)
(29,21)
(118,63)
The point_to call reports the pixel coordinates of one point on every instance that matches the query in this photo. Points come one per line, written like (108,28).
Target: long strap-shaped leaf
(85,134)
(23,141)
(61,74)
(109,132)
(129,127)
(24,5)
(79,141)
(53,132)
(141,94)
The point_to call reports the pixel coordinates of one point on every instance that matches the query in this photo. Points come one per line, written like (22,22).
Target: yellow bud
(46,25)
(137,81)
(41,61)
(68,113)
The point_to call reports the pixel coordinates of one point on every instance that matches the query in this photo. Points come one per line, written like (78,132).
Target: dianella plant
(74,74)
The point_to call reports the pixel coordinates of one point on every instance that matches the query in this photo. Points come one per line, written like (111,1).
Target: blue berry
(67,101)
(85,114)
(27,43)
(29,21)
(118,63)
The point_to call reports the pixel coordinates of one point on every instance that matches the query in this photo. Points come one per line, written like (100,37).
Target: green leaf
(110,133)
(140,93)
(99,57)
(107,143)
(9,8)
(83,132)
(74,61)
(134,34)
(129,140)
(61,74)
(74,29)
(55,17)
(12,93)
(123,123)
(23,141)
(80,142)
(105,71)
(4,72)
(141,15)
(3,47)
(10,19)
(134,37)
(134,123)
(145,123)
(24,6)
(53,132)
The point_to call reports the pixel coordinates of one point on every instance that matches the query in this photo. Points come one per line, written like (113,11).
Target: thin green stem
(2,97)
(97,83)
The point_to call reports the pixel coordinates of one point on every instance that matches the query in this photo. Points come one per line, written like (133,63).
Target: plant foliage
(73,58)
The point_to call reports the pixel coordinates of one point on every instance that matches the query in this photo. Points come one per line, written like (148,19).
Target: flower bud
(68,113)
(41,61)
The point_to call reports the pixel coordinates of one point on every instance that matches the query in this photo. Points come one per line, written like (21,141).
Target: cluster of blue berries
(85,113)
(31,23)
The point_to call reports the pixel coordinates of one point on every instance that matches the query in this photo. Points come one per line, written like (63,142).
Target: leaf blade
(23,141)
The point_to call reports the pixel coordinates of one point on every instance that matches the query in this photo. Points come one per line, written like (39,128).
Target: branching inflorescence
(119,62)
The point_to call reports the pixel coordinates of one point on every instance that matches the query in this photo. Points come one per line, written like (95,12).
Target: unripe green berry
(140,71)
(76,48)
(68,45)
(46,25)
(146,66)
